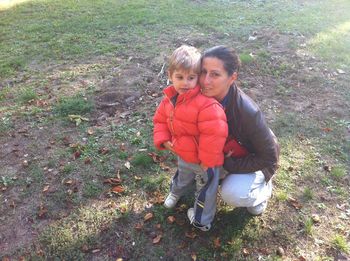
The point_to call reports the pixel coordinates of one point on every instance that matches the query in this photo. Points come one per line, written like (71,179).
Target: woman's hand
(169,146)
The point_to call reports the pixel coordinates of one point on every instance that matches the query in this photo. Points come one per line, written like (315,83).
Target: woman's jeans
(245,190)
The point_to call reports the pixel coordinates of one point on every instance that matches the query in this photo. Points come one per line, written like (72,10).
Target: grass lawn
(79,83)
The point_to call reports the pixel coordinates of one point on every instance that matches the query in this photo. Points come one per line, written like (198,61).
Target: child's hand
(228,154)
(169,146)
(205,168)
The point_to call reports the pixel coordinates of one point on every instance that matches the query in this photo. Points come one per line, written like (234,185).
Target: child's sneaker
(171,200)
(259,209)
(190,215)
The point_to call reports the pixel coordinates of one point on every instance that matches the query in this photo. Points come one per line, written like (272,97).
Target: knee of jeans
(232,196)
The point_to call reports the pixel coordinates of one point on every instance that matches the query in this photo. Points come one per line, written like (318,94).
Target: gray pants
(206,188)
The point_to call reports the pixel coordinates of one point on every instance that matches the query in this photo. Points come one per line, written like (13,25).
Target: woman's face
(214,79)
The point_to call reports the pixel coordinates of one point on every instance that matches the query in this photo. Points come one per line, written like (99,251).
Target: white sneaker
(171,200)
(259,209)
(190,215)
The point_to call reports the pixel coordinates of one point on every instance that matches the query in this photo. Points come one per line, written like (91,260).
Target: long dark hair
(227,55)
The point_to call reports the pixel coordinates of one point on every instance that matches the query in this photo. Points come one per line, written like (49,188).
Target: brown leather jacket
(248,126)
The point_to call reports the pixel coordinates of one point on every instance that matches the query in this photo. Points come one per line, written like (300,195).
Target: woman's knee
(233,194)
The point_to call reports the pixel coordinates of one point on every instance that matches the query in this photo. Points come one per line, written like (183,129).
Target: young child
(193,127)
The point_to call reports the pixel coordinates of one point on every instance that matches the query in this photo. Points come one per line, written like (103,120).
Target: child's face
(184,81)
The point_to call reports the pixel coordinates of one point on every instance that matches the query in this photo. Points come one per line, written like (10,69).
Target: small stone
(316,218)
(280,251)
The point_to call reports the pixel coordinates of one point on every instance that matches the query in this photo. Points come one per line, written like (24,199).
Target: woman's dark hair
(227,55)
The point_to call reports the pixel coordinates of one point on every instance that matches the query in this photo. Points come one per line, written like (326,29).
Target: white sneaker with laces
(190,215)
(171,200)
(259,209)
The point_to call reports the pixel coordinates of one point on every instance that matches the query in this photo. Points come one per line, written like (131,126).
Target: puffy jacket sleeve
(213,132)
(161,131)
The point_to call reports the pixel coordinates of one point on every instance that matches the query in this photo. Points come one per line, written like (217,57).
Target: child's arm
(213,131)
(161,132)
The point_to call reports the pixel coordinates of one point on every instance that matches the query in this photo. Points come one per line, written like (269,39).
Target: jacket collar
(170,92)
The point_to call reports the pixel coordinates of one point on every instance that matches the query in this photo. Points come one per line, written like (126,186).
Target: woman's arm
(263,145)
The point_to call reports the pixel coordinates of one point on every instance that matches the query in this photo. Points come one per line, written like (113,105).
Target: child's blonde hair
(185,58)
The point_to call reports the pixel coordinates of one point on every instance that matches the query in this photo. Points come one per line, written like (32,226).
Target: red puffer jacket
(196,126)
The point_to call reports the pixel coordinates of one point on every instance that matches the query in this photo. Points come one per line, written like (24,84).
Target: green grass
(340,243)
(57,31)
(76,105)
(66,51)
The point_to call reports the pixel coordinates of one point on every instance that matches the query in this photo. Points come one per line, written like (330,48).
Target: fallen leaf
(87,161)
(217,242)
(42,211)
(76,154)
(327,129)
(158,226)
(103,151)
(245,252)
(90,131)
(95,250)
(315,218)
(194,256)
(5,259)
(170,219)
(68,182)
(191,234)
(148,216)
(157,239)
(301,258)
(112,181)
(295,203)
(12,204)
(127,165)
(118,189)
(85,248)
(137,178)
(119,259)
(123,210)
(138,226)
(46,188)
(280,251)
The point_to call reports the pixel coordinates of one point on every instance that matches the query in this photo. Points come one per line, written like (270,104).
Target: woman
(248,182)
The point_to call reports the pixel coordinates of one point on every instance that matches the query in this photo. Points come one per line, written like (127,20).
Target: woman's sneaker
(190,215)
(259,209)
(171,200)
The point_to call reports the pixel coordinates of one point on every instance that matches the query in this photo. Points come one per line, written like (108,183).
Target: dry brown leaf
(301,258)
(103,151)
(157,239)
(76,154)
(68,182)
(87,161)
(170,219)
(158,226)
(137,178)
(217,242)
(245,252)
(112,181)
(123,210)
(42,211)
(5,259)
(90,131)
(191,234)
(194,256)
(95,250)
(148,216)
(138,226)
(85,248)
(119,259)
(46,188)
(295,203)
(118,189)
